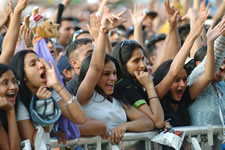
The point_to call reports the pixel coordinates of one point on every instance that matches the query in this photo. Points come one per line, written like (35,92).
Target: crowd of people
(117,74)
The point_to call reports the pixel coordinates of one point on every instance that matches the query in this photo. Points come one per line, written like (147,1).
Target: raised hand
(196,22)
(203,9)
(138,14)
(4,104)
(43,93)
(26,34)
(66,2)
(52,79)
(173,15)
(111,21)
(94,26)
(6,14)
(21,5)
(144,78)
(216,31)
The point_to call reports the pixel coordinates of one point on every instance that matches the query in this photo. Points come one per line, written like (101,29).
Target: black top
(130,92)
(181,117)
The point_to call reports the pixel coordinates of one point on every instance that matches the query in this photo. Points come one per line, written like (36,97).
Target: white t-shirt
(22,112)
(110,113)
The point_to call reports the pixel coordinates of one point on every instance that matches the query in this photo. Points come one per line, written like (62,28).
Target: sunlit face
(51,47)
(136,62)
(179,85)
(66,32)
(79,55)
(108,78)
(9,86)
(35,73)
(220,74)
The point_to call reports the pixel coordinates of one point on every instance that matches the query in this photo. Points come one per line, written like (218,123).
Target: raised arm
(96,67)
(197,24)
(94,27)
(138,16)
(11,37)
(102,4)
(198,86)
(70,108)
(4,17)
(56,17)
(198,42)
(171,45)
(220,11)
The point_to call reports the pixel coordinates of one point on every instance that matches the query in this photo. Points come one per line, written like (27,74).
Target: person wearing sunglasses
(9,88)
(136,86)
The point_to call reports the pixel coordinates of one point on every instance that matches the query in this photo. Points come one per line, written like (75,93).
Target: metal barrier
(193,134)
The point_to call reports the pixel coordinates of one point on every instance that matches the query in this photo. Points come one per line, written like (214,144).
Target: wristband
(60,89)
(152,97)
(69,101)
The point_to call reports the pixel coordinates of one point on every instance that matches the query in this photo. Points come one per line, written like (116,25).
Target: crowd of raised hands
(120,76)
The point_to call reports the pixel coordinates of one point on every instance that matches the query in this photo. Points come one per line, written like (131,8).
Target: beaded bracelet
(70,101)
(152,97)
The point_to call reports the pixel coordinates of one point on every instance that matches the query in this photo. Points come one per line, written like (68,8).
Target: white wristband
(70,101)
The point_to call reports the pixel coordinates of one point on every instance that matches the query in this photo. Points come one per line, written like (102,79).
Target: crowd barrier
(193,135)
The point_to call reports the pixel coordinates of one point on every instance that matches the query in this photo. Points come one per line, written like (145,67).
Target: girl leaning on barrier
(99,73)
(9,87)
(178,95)
(37,78)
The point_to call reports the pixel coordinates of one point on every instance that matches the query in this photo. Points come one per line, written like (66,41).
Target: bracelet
(152,97)
(69,101)
(60,89)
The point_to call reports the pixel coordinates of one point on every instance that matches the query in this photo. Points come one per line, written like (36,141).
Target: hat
(44,112)
(154,38)
(63,63)
(150,13)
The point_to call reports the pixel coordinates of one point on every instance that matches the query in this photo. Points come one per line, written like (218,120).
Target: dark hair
(161,71)
(3,117)
(150,44)
(17,64)
(85,65)
(159,75)
(129,32)
(123,51)
(183,32)
(76,44)
(67,19)
(199,56)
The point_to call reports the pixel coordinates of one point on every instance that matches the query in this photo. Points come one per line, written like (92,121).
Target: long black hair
(159,75)
(85,65)
(123,51)
(17,64)
(198,57)
(3,118)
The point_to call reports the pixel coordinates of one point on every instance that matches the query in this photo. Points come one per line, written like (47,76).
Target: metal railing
(202,134)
